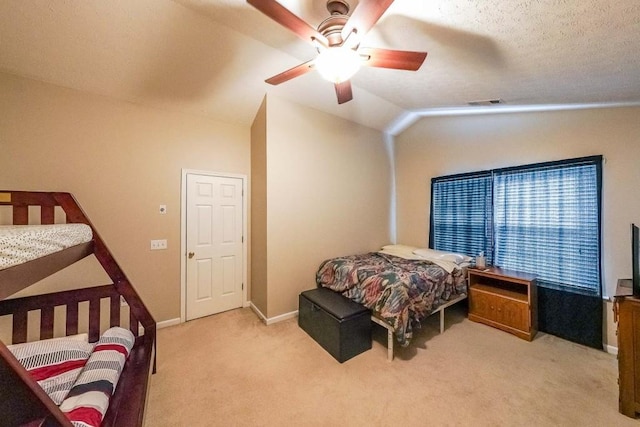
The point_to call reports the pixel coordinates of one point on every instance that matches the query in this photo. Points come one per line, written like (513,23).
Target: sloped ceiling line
(211,57)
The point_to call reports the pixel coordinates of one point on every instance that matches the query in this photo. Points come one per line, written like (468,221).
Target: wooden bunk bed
(22,400)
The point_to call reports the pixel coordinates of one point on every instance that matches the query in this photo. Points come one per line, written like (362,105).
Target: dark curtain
(571,316)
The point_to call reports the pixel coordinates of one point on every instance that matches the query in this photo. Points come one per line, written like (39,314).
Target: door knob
(191,254)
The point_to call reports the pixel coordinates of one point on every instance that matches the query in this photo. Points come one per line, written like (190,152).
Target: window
(542,219)
(461,214)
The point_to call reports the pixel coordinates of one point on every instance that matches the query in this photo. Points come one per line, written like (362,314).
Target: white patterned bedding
(22,243)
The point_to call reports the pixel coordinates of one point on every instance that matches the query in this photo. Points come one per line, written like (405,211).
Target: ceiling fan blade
(343,90)
(287,19)
(291,73)
(365,16)
(396,59)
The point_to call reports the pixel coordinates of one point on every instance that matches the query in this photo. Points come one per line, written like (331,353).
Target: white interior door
(214,243)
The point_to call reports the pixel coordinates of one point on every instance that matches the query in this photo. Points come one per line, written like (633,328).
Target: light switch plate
(157,245)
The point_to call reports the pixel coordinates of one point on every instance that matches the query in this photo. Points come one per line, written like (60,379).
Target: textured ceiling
(211,56)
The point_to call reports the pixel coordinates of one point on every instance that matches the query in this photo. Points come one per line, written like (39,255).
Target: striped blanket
(80,377)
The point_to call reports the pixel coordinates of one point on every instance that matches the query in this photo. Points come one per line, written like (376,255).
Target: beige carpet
(231,369)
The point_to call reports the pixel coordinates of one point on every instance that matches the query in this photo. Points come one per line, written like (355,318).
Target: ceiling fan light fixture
(338,64)
(337,39)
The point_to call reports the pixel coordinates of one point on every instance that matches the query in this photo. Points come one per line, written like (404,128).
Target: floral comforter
(401,292)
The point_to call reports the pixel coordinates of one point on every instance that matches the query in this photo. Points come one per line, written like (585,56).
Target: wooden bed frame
(22,400)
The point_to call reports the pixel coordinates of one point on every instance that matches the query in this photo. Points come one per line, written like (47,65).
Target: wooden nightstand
(504,299)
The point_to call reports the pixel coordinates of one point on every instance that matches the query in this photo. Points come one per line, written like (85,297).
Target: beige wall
(327,179)
(121,161)
(259,209)
(448,145)
(328,186)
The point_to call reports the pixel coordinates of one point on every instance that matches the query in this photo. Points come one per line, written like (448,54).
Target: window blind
(542,219)
(461,214)
(547,222)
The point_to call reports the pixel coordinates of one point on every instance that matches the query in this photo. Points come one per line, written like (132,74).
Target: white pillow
(442,255)
(400,247)
(403,251)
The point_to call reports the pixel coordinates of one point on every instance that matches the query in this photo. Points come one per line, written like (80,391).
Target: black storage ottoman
(339,325)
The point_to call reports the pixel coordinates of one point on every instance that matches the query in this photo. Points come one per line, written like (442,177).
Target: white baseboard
(267,321)
(257,311)
(272,320)
(167,323)
(611,349)
(282,317)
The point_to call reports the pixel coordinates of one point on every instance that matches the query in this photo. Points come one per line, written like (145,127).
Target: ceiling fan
(337,40)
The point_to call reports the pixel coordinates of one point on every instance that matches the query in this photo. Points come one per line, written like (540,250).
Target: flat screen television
(635,262)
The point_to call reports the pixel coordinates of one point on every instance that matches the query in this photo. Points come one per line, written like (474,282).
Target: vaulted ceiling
(211,57)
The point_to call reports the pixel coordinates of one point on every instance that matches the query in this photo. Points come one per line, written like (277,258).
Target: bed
(400,284)
(23,401)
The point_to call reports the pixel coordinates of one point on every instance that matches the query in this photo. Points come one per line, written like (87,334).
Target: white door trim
(183,234)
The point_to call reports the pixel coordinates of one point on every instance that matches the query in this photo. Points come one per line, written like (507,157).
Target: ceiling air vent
(486,103)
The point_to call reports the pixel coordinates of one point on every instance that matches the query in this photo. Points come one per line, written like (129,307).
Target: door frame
(183,234)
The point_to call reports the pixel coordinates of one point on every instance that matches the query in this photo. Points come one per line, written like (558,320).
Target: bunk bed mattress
(399,291)
(23,243)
